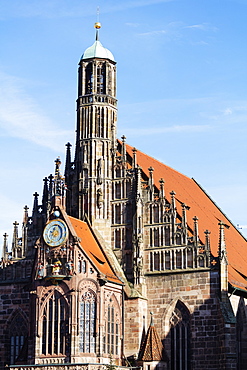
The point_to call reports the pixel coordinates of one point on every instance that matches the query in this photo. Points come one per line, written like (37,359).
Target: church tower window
(101,85)
(87,323)
(89,79)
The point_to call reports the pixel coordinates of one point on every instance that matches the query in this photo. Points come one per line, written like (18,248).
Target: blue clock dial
(55,233)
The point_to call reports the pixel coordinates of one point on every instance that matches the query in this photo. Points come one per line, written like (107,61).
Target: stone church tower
(124,262)
(89,178)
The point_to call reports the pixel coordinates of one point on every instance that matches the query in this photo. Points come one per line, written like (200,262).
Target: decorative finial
(97,25)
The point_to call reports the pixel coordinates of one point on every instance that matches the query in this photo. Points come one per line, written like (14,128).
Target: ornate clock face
(55,233)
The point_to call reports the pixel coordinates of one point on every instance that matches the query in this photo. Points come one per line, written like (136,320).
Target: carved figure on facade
(100,199)
(40,271)
(69,267)
(56,267)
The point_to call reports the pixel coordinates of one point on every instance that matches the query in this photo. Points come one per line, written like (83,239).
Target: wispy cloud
(132,24)
(176,30)
(20,116)
(227,111)
(153,33)
(203,27)
(234,113)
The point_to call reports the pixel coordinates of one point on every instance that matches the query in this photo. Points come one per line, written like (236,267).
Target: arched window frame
(18,331)
(101,78)
(55,325)
(87,324)
(111,343)
(89,79)
(180,337)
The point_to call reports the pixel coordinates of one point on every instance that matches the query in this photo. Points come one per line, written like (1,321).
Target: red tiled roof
(209,215)
(92,249)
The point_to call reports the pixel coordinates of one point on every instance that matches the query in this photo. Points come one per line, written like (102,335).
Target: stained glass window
(87,323)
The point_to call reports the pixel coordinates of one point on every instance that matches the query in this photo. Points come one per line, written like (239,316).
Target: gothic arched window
(180,338)
(117,214)
(18,339)
(189,258)
(118,190)
(179,260)
(111,340)
(156,239)
(55,329)
(101,85)
(167,236)
(117,238)
(89,79)
(87,323)
(201,261)
(156,214)
(109,81)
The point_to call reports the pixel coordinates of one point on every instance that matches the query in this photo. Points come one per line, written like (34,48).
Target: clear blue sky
(181,89)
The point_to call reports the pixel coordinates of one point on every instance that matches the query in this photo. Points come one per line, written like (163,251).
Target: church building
(123,261)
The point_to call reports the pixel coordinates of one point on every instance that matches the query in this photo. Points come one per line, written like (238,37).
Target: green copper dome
(97,50)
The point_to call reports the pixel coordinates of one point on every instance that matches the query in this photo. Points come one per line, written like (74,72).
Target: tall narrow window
(128,239)
(112,331)
(180,338)
(156,214)
(101,86)
(102,122)
(87,323)
(167,235)
(156,257)
(156,237)
(117,238)
(55,328)
(118,190)
(98,121)
(189,258)
(178,239)
(109,82)
(89,79)
(179,259)
(167,261)
(18,340)
(118,214)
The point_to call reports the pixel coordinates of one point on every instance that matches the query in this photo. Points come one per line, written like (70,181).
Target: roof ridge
(154,159)
(223,213)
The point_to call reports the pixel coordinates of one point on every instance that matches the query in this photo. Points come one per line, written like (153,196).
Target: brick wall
(14,300)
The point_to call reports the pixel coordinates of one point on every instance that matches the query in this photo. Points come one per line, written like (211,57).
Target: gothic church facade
(124,261)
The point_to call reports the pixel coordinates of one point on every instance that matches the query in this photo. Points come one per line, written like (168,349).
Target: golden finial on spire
(97,24)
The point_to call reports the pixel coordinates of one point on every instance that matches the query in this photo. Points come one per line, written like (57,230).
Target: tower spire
(90,186)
